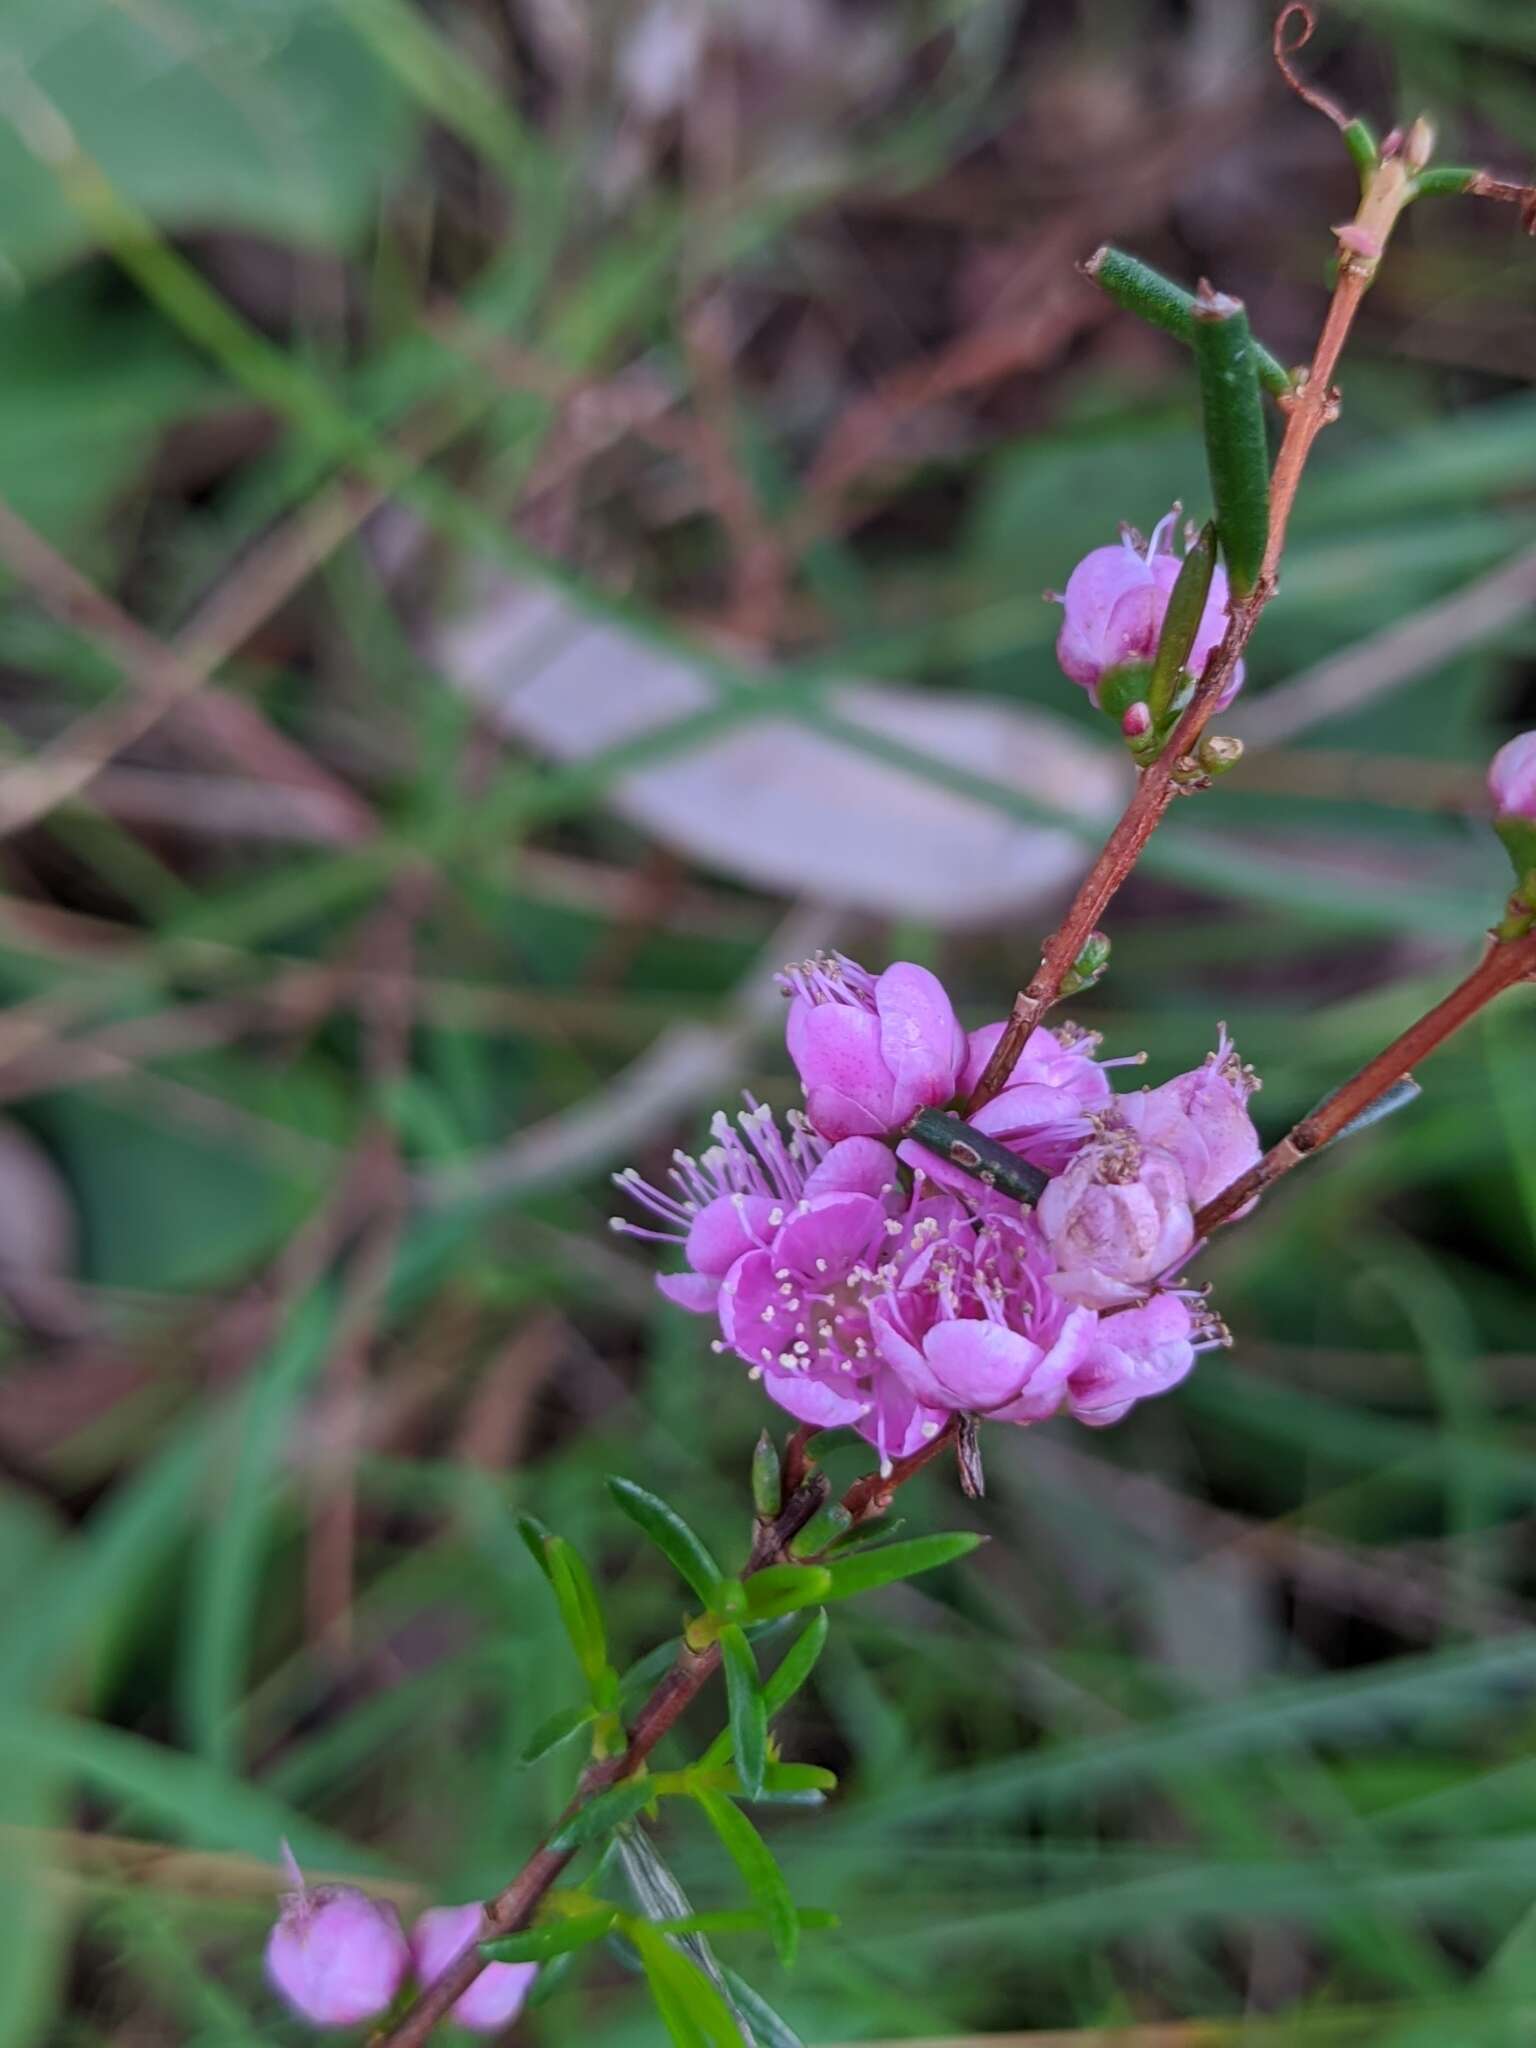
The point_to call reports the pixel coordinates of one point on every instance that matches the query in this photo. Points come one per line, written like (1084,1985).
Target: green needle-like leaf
(867,1569)
(764,1879)
(671,1535)
(579,1609)
(784,1589)
(1161,303)
(557,1729)
(692,2010)
(1236,451)
(554,1938)
(748,1713)
(601,1815)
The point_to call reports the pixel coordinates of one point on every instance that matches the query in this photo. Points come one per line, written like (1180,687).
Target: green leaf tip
(671,1535)
(1140,289)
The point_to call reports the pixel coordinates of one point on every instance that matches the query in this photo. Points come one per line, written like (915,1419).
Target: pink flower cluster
(338,1958)
(866,1281)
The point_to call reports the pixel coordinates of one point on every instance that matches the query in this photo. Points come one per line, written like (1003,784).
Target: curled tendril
(1294,26)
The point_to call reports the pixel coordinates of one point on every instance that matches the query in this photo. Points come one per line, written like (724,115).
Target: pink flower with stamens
(1116,1220)
(870,1051)
(495,1999)
(795,1234)
(336,1957)
(1115,602)
(1202,1119)
(974,1323)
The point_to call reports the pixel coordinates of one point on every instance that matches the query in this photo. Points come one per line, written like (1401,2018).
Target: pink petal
(813,1400)
(980,1365)
(726,1228)
(838,1048)
(696,1292)
(838,1116)
(921,1042)
(834,1232)
(855,1166)
(905,1359)
(1094,588)
(496,1997)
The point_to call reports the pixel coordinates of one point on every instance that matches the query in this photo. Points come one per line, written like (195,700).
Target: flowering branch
(1505,963)
(1387,190)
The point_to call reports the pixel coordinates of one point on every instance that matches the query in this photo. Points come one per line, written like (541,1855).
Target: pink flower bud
(1359,241)
(1137,720)
(1202,1119)
(1114,605)
(1116,1220)
(496,1997)
(871,1053)
(1512,778)
(336,1956)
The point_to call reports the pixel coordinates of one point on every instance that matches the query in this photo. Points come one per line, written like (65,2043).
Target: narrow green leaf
(1161,303)
(693,2011)
(645,1671)
(535,1536)
(762,1875)
(824,1528)
(553,1938)
(601,1815)
(579,1610)
(867,1569)
(1445,181)
(796,1778)
(784,1589)
(671,1535)
(1181,622)
(749,1715)
(796,1665)
(1361,144)
(1236,451)
(557,1729)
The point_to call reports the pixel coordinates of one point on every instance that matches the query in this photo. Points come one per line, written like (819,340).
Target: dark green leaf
(553,1938)
(984,1158)
(1181,622)
(869,1568)
(557,1729)
(767,1481)
(671,1535)
(1162,303)
(785,1589)
(763,1877)
(599,1816)
(536,1536)
(1236,451)
(577,1598)
(693,2011)
(793,1778)
(645,1671)
(748,1713)
(811,1919)
(824,1528)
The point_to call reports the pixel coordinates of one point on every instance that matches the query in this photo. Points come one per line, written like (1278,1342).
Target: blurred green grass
(1232,1718)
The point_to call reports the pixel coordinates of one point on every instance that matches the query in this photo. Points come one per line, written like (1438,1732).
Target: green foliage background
(1231,1721)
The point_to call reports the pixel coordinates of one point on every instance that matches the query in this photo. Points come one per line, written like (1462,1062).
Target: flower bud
(1114,604)
(1512,778)
(336,1956)
(496,1997)
(1137,722)
(1115,1220)
(871,1052)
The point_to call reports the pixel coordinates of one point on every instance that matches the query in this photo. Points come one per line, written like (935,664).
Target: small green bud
(1216,755)
(821,1530)
(767,1483)
(1089,966)
(1120,688)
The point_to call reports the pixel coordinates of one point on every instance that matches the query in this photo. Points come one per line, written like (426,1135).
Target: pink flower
(335,1956)
(1115,1220)
(496,1997)
(1131,1354)
(1115,601)
(973,1323)
(1512,778)
(870,1053)
(1201,1118)
(793,1235)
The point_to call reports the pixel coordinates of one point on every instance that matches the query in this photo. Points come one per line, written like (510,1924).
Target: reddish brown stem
(1315,404)
(1504,964)
(514,1906)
